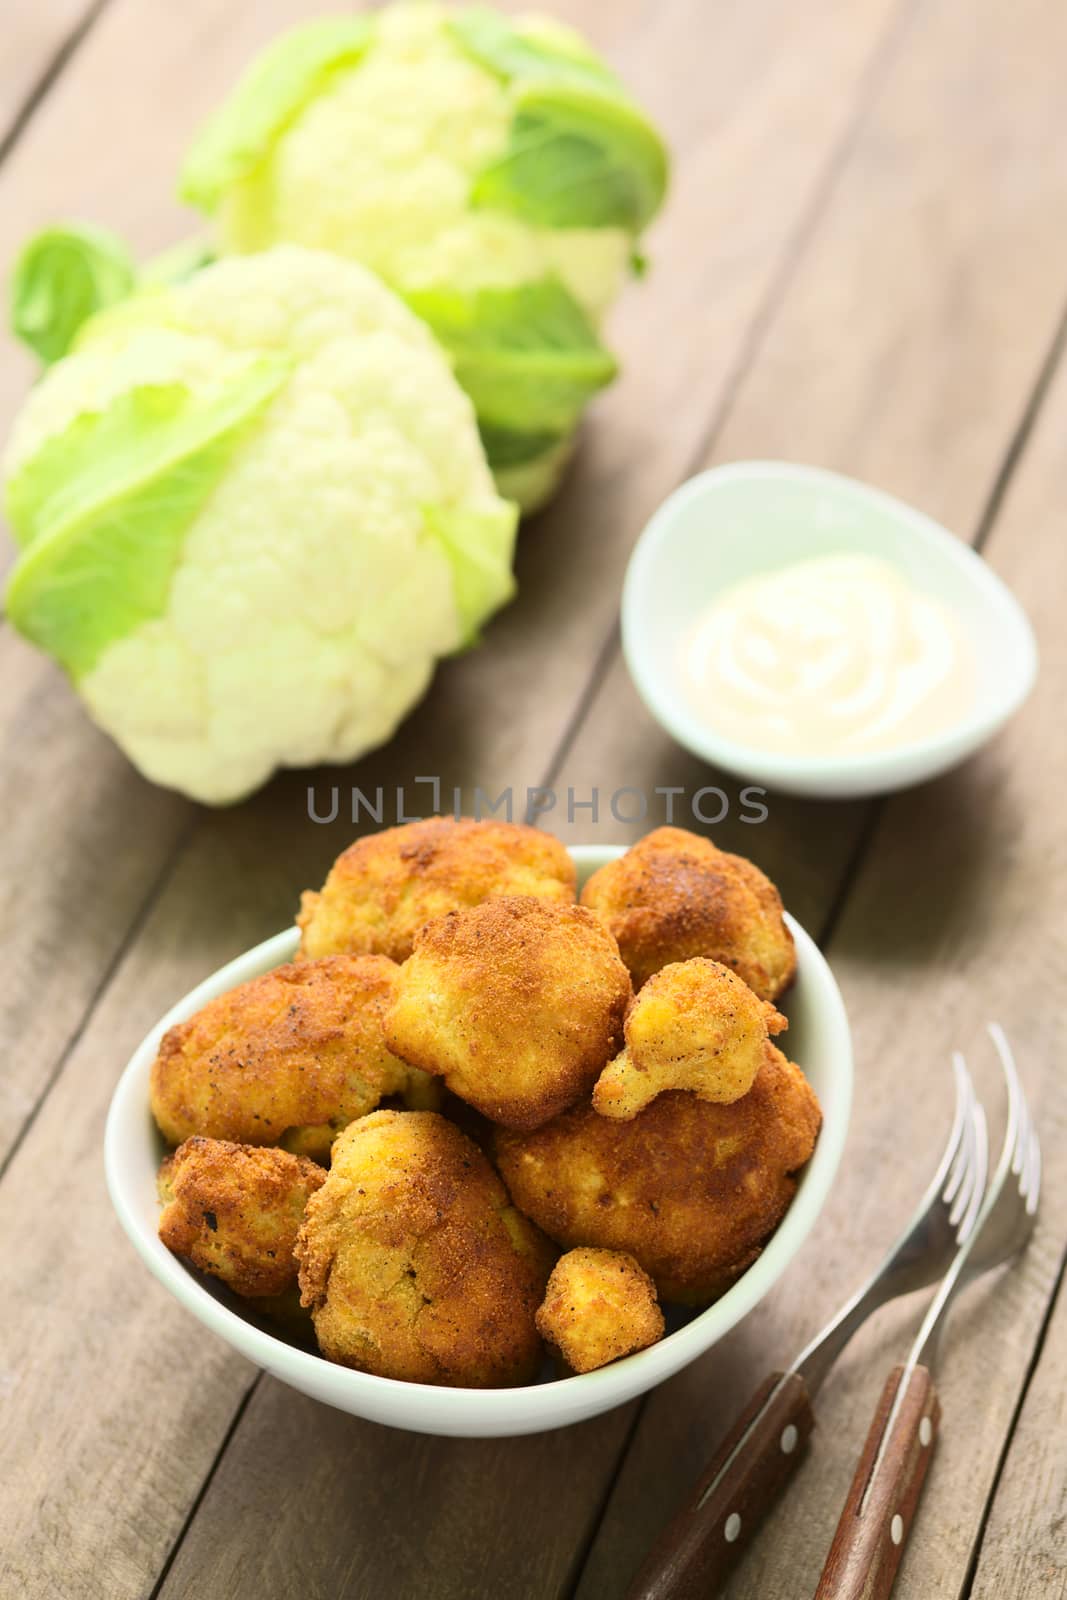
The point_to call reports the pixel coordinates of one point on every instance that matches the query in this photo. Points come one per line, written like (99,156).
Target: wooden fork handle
(880,1508)
(696,1550)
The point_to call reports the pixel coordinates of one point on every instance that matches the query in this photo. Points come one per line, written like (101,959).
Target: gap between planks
(1056,1302)
(50,74)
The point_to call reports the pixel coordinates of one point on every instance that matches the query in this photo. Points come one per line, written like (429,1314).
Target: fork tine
(981,1169)
(1032,1191)
(1030,1174)
(1021,1155)
(963,1193)
(954,1163)
(1017,1113)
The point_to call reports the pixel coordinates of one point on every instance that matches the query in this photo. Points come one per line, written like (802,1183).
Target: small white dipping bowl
(755,516)
(818,1039)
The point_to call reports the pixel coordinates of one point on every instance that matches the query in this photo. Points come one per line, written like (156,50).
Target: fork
(766,1443)
(880,1509)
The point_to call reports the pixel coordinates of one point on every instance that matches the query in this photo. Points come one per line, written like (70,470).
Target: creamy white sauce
(829,656)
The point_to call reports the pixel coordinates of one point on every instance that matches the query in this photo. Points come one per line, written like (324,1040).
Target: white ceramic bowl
(818,1039)
(753,516)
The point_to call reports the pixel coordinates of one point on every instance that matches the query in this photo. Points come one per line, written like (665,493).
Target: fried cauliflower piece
(676,895)
(516,1003)
(599,1305)
(289,1058)
(694,1025)
(415,1264)
(233,1210)
(385,887)
(692,1190)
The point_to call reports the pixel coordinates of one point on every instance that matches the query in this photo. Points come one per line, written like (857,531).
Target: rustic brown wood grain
(35,42)
(71,887)
(144,1368)
(929,265)
(1024,1547)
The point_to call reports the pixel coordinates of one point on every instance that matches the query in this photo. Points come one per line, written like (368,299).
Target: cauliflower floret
(414,1263)
(599,1305)
(234,1211)
(675,895)
(309,588)
(491,170)
(516,1002)
(380,167)
(694,1025)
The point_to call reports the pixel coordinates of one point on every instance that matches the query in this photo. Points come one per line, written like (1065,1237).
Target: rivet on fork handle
(881,1503)
(693,1555)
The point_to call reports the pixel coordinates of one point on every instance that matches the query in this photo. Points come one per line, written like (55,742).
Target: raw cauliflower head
(254,510)
(492,170)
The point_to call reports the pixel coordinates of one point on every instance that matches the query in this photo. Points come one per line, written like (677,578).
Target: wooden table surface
(863,264)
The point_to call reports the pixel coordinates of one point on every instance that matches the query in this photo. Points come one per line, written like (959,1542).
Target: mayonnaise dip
(834,655)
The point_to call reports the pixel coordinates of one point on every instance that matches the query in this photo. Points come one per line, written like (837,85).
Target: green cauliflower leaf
(102,508)
(61,277)
(578,156)
(280,83)
(528,357)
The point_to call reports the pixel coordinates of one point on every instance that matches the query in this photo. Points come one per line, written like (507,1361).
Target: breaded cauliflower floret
(385,887)
(413,1261)
(676,895)
(516,1003)
(233,1210)
(694,1025)
(692,1190)
(599,1306)
(288,1058)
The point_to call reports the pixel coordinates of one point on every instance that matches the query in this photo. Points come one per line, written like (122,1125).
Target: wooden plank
(959,908)
(36,43)
(1024,1547)
(71,886)
(148,1382)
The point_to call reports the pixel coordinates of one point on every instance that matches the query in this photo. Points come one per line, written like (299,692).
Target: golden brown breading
(694,1025)
(414,1262)
(516,1003)
(233,1210)
(676,895)
(690,1189)
(385,887)
(599,1305)
(289,1058)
